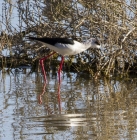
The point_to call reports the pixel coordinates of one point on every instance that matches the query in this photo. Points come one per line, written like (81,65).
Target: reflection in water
(91,109)
(49,111)
(58,95)
(40,96)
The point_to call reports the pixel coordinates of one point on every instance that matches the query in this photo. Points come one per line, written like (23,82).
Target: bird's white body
(69,49)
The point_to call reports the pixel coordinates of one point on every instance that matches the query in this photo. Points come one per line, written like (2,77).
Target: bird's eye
(97,42)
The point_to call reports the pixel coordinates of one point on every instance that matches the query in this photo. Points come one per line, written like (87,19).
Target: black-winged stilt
(65,47)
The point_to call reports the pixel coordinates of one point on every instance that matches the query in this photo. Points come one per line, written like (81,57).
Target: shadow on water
(90,109)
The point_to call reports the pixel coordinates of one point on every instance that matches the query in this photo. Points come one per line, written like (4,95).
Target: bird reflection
(40,96)
(59,98)
(58,95)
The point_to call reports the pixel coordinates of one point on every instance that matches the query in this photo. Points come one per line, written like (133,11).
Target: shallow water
(88,109)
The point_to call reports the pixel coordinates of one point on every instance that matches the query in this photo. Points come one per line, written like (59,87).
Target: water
(89,110)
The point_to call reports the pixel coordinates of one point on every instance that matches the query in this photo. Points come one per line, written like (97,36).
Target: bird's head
(94,43)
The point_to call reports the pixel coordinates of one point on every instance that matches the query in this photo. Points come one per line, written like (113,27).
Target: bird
(64,47)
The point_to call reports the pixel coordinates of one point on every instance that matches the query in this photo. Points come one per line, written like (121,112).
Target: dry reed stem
(112,22)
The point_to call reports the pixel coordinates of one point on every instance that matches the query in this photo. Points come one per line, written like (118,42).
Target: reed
(113,22)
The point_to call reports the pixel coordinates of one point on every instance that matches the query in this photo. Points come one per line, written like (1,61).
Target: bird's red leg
(59,71)
(60,68)
(42,64)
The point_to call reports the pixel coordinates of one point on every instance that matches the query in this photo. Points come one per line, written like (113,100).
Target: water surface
(87,108)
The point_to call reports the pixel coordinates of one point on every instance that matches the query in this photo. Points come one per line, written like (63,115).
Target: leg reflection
(40,101)
(40,96)
(49,110)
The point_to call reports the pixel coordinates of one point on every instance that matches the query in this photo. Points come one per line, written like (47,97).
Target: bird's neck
(86,45)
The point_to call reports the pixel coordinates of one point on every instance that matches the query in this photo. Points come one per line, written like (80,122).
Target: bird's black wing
(53,41)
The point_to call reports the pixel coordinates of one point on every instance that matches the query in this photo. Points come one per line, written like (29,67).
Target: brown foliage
(113,22)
